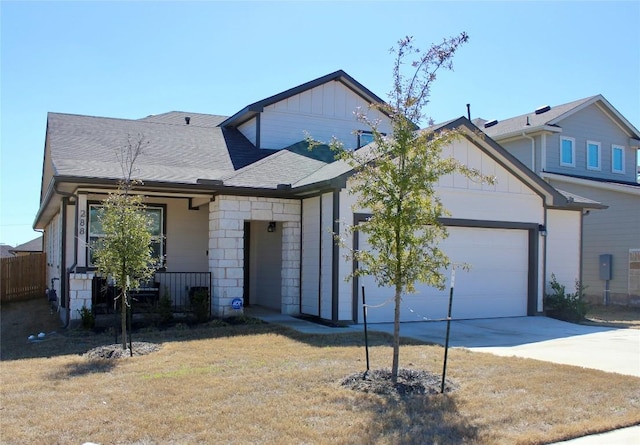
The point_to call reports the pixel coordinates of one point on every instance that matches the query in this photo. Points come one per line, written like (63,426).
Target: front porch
(246,251)
(171,290)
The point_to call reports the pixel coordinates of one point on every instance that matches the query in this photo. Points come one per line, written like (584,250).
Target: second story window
(593,155)
(617,159)
(364,138)
(567,152)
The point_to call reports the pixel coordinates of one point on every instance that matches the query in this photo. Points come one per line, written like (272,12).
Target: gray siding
(614,231)
(591,124)
(521,149)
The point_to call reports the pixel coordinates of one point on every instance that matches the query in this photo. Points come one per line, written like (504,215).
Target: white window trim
(599,166)
(573,152)
(615,147)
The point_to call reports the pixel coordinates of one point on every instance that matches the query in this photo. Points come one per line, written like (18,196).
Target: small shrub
(87,318)
(200,305)
(216,323)
(165,310)
(565,306)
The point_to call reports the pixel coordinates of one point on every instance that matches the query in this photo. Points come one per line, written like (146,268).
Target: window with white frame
(617,158)
(156,216)
(567,152)
(593,155)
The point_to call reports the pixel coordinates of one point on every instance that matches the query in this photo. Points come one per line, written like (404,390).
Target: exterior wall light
(272,227)
(542,229)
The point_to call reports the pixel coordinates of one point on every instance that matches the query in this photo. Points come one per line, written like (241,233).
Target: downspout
(533,150)
(544,254)
(544,219)
(63,259)
(64,289)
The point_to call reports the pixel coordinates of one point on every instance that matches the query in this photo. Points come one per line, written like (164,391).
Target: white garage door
(495,286)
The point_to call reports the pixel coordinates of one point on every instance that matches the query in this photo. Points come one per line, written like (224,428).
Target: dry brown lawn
(265,384)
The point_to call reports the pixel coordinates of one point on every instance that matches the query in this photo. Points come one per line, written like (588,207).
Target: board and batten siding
(310,273)
(591,124)
(613,231)
(563,244)
(509,199)
(323,112)
(326,255)
(317,256)
(248,129)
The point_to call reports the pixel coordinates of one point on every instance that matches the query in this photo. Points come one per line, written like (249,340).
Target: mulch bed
(115,351)
(410,382)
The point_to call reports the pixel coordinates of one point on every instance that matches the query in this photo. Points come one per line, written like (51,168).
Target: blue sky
(132,59)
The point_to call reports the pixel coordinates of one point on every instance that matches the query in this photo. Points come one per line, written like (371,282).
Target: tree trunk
(396,335)
(123,318)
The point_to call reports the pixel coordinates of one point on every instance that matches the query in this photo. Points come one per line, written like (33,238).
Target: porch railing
(179,287)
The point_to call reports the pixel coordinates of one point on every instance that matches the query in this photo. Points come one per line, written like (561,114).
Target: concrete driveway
(541,338)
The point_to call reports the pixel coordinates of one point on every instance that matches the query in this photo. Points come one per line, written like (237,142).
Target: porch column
(226,254)
(80,293)
(291,267)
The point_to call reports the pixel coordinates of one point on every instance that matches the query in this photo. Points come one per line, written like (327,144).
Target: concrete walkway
(540,338)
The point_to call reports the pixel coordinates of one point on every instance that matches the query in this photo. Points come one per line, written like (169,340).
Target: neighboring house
(5,251)
(587,147)
(28,248)
(242,205)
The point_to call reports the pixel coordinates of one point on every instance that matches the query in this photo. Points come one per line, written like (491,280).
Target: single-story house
(28,248)
(243,208)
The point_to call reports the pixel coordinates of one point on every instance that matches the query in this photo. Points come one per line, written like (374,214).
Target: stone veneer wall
(227,215)
(79,293)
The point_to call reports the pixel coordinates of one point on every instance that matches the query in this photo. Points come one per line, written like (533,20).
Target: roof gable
(339,76)
(340,170)
(551,120)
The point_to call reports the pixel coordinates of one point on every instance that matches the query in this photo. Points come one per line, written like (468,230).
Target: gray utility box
(606,261)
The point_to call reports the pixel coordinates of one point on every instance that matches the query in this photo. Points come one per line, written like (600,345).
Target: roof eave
(528,131)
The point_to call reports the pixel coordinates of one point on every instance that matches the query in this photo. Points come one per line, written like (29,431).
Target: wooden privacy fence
(22,277)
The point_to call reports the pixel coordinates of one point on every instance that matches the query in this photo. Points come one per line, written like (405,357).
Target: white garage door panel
(496,285)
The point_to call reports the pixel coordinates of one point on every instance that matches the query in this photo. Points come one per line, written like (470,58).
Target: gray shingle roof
(5,251)
(282,167)
(519,123)
(178,118)
(35,245)
(86,146)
